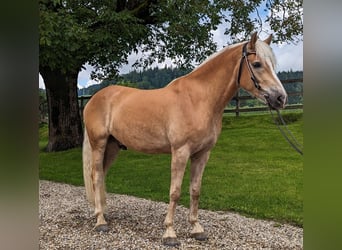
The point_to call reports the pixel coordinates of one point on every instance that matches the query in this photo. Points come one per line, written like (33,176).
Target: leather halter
(244,57)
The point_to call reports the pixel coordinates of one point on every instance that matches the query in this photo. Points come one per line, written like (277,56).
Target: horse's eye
(256,64)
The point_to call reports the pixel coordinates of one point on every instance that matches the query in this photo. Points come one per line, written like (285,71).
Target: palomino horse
(184,119)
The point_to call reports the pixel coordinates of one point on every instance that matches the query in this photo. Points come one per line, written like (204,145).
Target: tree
(103,33)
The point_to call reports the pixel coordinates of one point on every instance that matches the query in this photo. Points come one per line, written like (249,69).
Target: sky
(289,57)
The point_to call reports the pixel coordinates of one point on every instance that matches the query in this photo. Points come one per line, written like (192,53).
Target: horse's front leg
(198,162)
(178,164)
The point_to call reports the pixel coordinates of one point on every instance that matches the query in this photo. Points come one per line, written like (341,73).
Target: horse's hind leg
(103,157)
(198,162)
(98,150)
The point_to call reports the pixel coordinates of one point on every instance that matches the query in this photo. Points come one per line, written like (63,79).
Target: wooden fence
(237,99)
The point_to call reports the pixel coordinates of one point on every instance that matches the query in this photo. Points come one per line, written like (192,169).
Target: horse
(183,119)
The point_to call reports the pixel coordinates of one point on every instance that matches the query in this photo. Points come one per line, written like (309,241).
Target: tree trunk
(65,127)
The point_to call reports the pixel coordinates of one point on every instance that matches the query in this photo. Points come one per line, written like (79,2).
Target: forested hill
(154,78)
(147,79)
(158,78)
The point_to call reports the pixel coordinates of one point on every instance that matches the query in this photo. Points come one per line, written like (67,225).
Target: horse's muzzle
(276,100)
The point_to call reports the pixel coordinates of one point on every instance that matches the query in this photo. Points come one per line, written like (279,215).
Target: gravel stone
(66,221)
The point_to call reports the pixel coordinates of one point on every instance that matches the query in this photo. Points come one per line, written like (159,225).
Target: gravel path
(66,222)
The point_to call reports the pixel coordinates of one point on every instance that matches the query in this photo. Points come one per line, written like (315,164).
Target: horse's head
(257,73)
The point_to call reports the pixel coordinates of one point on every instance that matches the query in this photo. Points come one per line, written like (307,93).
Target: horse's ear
(253,40)
(268,40)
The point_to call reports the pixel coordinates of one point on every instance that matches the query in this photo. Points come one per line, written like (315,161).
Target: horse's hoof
(171,242)
(102,228)
(200,236)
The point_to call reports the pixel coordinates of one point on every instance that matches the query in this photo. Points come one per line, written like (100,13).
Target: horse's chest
(210,137)
(203,137)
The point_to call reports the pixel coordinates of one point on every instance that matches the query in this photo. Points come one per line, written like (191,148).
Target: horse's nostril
(281,99)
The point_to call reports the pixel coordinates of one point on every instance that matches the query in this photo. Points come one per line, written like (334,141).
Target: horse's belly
(148,144)
(142,138)
(151,148)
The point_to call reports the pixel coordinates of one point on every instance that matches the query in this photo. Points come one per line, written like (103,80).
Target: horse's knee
(175,195)
(195,192)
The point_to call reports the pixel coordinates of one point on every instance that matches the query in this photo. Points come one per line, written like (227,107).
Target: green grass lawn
(252,170)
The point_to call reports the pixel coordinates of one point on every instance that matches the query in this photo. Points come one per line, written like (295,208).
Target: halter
(244,57)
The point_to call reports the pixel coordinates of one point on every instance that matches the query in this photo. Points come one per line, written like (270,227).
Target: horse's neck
(216,79)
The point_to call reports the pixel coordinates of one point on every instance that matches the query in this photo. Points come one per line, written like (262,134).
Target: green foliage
(60,37)
(252,170)
(154,78)
(182,33)
(284,17)
(104,33)
(75,32)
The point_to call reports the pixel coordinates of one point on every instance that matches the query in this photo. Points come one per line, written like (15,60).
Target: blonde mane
(263,50)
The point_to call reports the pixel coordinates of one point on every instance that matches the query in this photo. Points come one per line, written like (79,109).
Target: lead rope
(294,143)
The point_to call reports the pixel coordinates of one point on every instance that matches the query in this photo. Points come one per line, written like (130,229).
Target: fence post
(81,106)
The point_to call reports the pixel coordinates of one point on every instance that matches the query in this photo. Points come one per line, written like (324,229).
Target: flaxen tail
(87,168)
